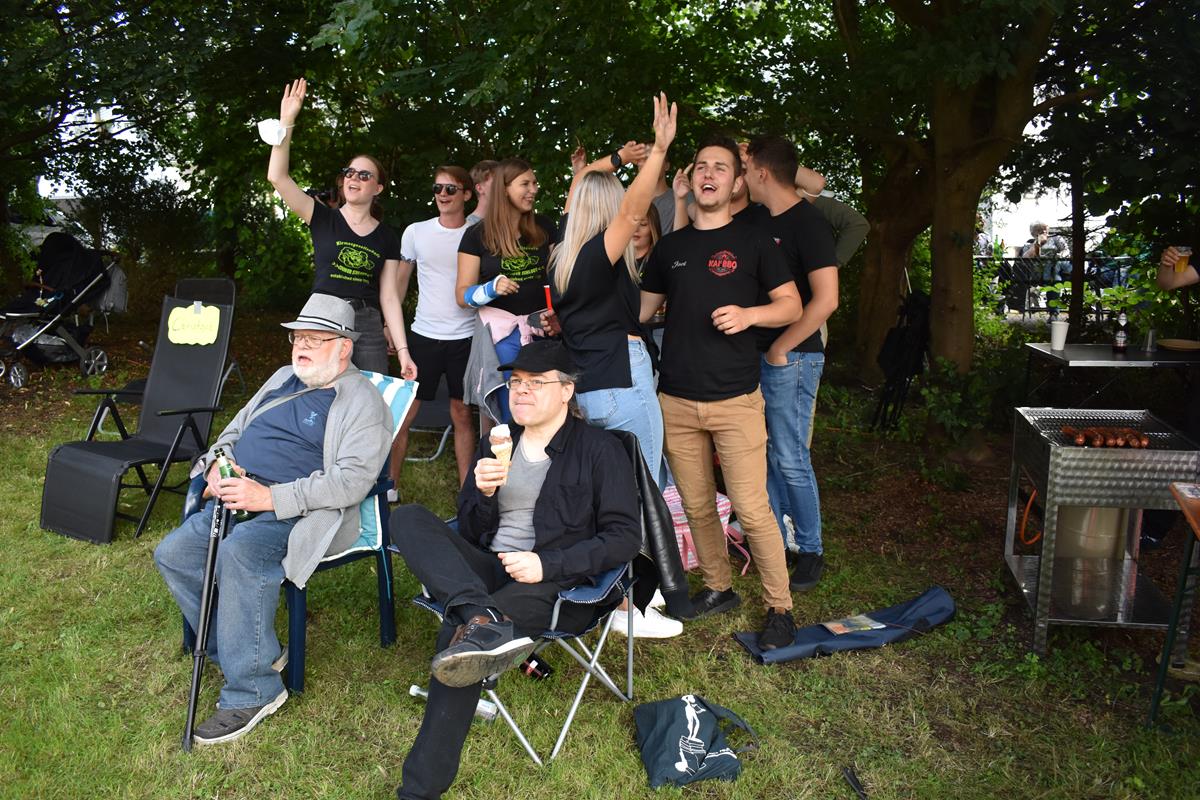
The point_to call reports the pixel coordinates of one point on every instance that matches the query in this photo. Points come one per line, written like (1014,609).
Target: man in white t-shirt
(481,179)
(439,338)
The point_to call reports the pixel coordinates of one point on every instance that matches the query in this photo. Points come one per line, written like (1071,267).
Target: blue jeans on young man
(249,574)
(634,409)
(790,396)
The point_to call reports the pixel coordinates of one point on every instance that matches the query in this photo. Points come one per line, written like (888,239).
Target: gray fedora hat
(324,312)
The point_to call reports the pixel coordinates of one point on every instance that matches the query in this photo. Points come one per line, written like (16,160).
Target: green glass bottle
(227,471)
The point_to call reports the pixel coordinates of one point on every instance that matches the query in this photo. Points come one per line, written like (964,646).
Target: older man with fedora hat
(308,447)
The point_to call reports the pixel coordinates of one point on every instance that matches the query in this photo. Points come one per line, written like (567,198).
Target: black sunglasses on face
(361,174)
(450,189)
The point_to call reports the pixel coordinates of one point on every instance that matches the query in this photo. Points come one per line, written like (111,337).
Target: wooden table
(1188,497)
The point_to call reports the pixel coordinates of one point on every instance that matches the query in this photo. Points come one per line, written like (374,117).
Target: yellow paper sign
(194,324)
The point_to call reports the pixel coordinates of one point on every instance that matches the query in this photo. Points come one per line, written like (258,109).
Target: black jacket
(586,519)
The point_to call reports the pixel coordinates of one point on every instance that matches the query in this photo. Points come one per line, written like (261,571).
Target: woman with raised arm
(594,285)
(357,256)
(502,268)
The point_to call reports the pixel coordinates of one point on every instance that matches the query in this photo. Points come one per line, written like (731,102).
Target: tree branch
(1066,99)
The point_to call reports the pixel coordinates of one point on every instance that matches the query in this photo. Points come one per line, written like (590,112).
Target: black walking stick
(220,524)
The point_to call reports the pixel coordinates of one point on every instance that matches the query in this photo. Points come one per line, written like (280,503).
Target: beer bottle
(227,471)
(536,668)
(1121,334)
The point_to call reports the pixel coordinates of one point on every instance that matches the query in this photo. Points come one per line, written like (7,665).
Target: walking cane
(220,524)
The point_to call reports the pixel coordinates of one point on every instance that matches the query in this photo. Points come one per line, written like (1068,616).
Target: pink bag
(683,531)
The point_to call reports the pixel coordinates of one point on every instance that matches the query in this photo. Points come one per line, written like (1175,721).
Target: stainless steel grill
(1066,474)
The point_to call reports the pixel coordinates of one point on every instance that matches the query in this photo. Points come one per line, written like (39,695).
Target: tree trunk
(882,288)
(1078,246)
(952,307)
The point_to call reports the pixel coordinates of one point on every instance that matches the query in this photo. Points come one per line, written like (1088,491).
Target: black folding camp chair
(84,479)
(902,358)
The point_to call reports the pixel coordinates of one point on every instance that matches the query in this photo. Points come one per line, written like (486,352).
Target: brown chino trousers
(737,428)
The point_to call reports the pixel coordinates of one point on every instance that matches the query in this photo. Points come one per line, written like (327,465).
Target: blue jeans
(790,395)
(249,573)
(634,409)
(370,351)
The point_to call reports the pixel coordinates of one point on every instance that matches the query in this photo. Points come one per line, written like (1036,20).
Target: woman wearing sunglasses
(357,256)
(502,264)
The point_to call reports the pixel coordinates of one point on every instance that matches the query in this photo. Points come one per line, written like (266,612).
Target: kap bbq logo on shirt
(722,263)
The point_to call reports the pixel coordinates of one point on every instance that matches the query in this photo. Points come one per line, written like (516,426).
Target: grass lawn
(93,683)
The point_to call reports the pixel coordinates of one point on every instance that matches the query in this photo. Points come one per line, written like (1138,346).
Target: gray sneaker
(481,648)
(233,723)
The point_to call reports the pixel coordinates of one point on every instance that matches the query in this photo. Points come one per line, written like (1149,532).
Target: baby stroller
(43,324)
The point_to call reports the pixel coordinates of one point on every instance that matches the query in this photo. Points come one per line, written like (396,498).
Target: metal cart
(1065,474)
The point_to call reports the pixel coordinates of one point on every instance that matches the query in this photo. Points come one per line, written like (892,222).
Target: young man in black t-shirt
(793,358)
(713,275)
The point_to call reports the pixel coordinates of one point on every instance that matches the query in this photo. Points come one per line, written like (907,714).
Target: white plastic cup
(1058,334)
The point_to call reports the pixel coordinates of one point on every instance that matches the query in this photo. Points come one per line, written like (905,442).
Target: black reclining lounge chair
(84,479)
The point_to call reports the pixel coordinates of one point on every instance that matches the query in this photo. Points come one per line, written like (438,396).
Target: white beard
(318,373)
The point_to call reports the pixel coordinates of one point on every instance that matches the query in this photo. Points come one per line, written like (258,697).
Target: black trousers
(464,578)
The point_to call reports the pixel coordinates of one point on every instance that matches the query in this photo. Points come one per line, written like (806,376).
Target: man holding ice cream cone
(545,506)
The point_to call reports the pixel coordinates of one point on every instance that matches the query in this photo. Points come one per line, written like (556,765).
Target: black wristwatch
(615,158)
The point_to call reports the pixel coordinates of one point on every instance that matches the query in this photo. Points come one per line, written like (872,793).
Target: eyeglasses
(534,384)
(307,341)
(361,174)
(450,189)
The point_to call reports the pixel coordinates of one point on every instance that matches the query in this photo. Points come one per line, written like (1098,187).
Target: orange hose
(1025,519)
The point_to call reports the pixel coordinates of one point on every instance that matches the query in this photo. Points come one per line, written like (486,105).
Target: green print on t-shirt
(353,263)
(524,267)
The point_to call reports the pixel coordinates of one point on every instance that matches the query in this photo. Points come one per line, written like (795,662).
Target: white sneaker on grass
(651,625)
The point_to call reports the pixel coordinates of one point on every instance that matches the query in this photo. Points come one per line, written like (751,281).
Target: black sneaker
(807,571)
(707,602)
(480,648)
(780,630)
(233,723)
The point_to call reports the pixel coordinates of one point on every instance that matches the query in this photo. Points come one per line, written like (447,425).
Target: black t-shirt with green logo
(528,269)
(349,265)
(699,271)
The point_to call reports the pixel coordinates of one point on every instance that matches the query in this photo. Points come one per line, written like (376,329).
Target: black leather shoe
(707,602)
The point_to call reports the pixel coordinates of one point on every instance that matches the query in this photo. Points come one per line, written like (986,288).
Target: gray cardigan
(358,437)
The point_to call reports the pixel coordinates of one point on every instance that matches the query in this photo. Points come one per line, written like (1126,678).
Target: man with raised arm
(714,275)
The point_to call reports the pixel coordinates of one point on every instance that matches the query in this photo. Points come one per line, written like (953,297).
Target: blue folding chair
(617,581)
(373,540)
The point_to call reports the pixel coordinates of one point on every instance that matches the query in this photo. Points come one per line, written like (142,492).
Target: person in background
(481,179)
(1043,244)
(440,339)
(357,256)
(793,358)
(594,279)
(502,268)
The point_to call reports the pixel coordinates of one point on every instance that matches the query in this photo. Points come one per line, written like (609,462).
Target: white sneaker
(658,601)
(651,625)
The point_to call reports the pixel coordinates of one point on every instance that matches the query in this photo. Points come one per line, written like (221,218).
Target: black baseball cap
(542,355)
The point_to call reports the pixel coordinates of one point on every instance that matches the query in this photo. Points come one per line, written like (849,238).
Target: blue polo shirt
(287,442)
